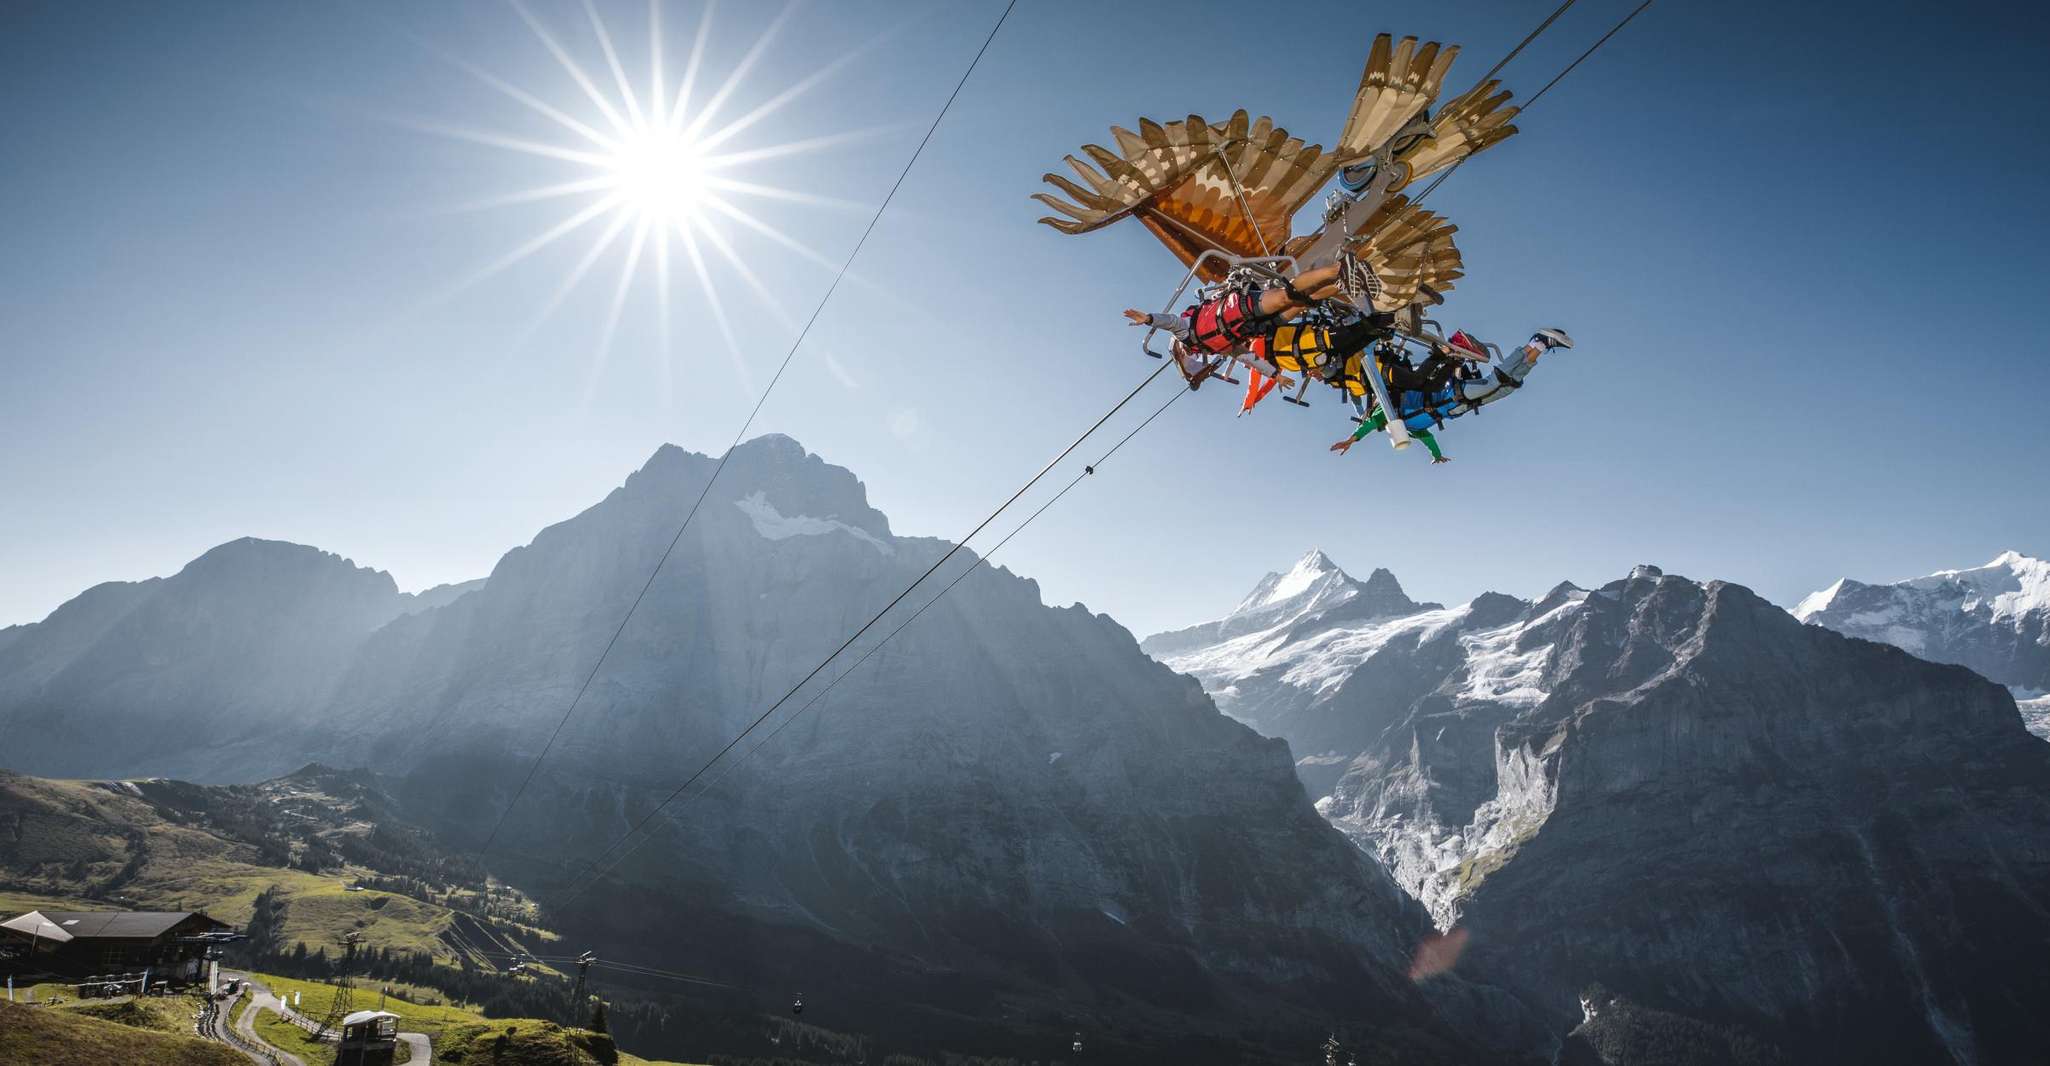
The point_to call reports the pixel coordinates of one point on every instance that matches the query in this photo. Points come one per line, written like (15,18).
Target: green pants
(1379,420)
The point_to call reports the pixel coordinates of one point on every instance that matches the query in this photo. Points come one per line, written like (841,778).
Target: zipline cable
(1525,43)
(632,968)
(878,616)
(1613,30)
(597,873)
(599,866)
(595,868)
(744,426)
(1528,104)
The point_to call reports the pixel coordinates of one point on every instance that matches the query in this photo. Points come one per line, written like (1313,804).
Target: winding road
(261,999)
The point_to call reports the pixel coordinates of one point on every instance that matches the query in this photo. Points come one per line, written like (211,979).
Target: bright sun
(653,168)
(660,173)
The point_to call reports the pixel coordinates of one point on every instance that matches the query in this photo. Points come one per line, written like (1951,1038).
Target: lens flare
(648,162)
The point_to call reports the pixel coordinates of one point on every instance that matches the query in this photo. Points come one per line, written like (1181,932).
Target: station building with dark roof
(89,943)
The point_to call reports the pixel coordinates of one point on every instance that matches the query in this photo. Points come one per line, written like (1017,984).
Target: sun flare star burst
(659,173)
(651,167)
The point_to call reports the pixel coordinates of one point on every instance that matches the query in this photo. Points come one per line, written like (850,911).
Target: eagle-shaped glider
(1184,180)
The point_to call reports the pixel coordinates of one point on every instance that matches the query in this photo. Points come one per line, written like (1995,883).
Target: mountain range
(1676,790)
(1993,618)
(1013,824)
(1008,826)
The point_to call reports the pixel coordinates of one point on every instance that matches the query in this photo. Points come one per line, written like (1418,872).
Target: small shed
(369,1038)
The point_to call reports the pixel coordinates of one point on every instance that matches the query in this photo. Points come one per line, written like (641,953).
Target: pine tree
(267,923)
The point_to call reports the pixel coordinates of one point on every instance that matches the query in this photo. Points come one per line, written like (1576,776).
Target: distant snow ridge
(1306,622)
(1329,663)
(1994,619)
(1637,779)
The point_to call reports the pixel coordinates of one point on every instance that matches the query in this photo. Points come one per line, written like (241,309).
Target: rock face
(1677,790)
(1008,808)
(170,675)
(1009,820)
(1993,618)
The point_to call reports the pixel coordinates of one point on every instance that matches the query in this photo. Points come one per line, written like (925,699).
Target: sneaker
(1357,280)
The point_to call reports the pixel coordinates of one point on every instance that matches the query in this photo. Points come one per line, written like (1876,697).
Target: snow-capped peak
(1308,579)
(1313,592)
(1304,575)
(1816,602)
(1993,618)
(2011,585)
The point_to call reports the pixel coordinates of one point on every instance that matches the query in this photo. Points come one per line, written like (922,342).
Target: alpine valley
(1665,821)
(1008,827)
(1669,804)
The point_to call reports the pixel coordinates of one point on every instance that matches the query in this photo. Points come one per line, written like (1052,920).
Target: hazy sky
(1800,246)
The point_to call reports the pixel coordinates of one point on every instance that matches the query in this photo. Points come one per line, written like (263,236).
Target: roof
(64,926)
(362,1016)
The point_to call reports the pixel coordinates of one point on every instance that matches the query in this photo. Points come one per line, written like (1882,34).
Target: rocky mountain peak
(1384,594)
(271,561)
(782,480)
(1314,592)
(1315,560)
(1312,575)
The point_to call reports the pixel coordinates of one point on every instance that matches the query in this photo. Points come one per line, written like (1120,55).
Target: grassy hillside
(306,844)
(50,1037)
(156,1013)
(90,845)
(458,1034)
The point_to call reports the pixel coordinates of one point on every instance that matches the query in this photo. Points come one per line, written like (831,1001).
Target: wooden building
(172,945)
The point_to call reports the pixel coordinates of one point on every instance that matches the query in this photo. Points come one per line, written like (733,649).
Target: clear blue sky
(1801,247)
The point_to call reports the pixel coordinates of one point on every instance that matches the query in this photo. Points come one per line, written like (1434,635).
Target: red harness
(1220,325)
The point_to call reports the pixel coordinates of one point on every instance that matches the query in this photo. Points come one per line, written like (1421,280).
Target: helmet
(1552,338)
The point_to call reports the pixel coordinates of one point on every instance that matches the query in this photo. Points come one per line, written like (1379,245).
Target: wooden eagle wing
(1409,249)
(1473,121)
(1177,178)
(1400,80)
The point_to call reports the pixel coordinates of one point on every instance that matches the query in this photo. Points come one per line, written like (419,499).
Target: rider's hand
(1342,446)
(1139,318)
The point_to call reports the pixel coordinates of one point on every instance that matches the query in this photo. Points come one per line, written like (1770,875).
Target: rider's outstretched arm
(1367,425)
(1173,325)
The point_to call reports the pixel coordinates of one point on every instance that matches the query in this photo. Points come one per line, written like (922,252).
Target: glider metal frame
(1388,174)
(1273,266)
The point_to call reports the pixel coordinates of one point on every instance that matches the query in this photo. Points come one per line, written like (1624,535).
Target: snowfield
(1994,619)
